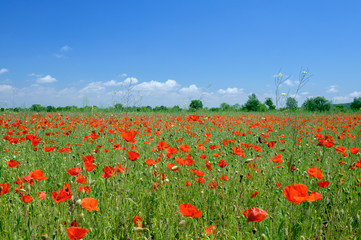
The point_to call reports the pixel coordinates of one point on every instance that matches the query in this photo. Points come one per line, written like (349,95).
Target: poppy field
(148,176)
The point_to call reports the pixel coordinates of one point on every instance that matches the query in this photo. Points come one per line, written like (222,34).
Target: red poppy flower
(323,184)
(277,158)
(209,166)
(200,180)
(256,214)
(27,198)
(90,204)
(254,194)
(81,179)
(132,156)
(88,158)
(271,144)
(172,167)
(149,162)
(129,136)
(222,163)
(62,195)
(194,117)
(185,148)
(298,193)
(83,188)
(64,149)
(224,178)
(49,149)
(354,150)
(76,232)
(12,163)
(42,195)
(74,171)
(120,168)
(38,175)
(108,172)
(188,210)
(138,221)
(213,184)
(315,172)
(211,230)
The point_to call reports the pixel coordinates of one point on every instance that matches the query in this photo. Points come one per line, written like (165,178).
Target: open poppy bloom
(276,159)
(74,171)
(323,184)
(76,232)
(90,204)
(38,175)
(211,230)
(298,193)
(108,172)
(256,214)
(62,195)
(132,156)
(222,163)
(138,221)
(129,136)
(172,167)
(12,163)
(185,148)
(188,210)
(315,172)
(27,198)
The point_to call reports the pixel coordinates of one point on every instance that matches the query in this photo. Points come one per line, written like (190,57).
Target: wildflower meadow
(173,176)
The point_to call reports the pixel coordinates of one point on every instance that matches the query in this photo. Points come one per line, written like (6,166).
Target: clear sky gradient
(85,52)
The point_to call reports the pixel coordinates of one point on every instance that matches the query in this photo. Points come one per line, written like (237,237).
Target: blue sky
(88,52)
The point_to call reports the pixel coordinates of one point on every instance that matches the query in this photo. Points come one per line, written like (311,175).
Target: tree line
(253,104)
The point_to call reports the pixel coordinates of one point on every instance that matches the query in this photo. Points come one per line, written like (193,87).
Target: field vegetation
(180,176)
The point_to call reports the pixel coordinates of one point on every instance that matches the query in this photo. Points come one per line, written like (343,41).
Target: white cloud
(6,88)
(305,93)
(113,83)
(46,79)
(3,70)
(355,94)
(65,48)
(123,75)
(289,83)
(332,89)
(93,87)
(34,75)
(152,85)
(230,91)
(131,80)
(191,90)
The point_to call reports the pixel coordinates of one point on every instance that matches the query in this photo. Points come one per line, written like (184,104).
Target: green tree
(37,108)
(356,104)
(270,104)
(291,103)
(118,106)
(252,104)
(50,109)
(196,104)
(225,106)
(236,107)
(320,104)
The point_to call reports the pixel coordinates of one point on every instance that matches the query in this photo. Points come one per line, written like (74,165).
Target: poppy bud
(182,223)
(78,201)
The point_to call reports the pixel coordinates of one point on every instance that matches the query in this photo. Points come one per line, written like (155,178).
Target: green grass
(336,216)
